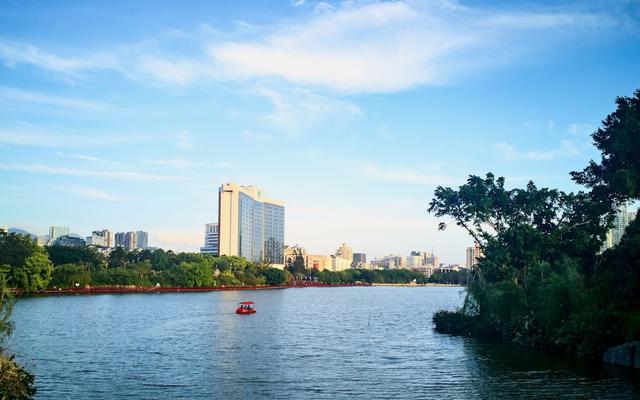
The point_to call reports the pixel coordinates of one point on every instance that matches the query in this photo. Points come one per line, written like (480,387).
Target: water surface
(320,343)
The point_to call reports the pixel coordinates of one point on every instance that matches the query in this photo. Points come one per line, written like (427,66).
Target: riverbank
(418,284)
(136,289)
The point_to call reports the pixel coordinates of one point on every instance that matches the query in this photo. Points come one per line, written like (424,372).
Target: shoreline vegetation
(153,289)
(29,268)
(544,280)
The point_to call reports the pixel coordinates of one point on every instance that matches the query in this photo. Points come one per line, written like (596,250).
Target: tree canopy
(542,279)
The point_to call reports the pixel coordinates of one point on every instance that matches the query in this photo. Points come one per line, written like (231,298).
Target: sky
(130,115)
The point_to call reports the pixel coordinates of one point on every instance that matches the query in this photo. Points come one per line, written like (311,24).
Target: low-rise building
(339,263)
(68,241)
(359,260)
(211,239)
(96,240)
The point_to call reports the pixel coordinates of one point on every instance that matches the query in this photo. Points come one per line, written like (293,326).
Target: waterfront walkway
(159,289)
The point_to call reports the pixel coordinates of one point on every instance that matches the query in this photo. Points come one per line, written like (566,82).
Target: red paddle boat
(246,307)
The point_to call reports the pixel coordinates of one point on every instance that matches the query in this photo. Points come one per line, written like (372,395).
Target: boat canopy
(246,302)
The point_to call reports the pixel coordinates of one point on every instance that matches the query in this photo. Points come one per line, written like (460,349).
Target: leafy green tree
(34,274)
(542,280)
(67,275)
(617,177)
(118,258)
(275,276)
(297,267)
(15,381)
(198,274)
(60,255)
(15,249)
(159,260)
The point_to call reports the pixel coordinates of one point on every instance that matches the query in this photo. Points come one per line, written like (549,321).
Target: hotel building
(250,225)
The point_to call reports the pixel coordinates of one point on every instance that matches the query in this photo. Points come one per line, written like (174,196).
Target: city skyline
(352,113)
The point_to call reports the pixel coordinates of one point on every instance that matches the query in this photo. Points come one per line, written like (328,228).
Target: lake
(319,343)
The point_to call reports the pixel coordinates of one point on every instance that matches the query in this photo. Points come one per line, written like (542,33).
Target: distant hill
(22,232)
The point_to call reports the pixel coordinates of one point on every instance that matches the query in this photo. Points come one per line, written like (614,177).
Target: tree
(34,274)
(60,255)
(15,381)
(617,177)
(198,274)
(159,259)
(542,280)
(296,265)
(15,248)
(67,275)
(275,276)
(118,258)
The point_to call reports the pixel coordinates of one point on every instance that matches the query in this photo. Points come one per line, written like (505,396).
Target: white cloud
(183,140)
(17,53)
(296,109)
(78,172)
(181,163)
(30,135)
(91,158)
(566,149)
(391,46)
(580,129)
(355,46)
(40,98)
(90,193)
(403,174)
(179,72)
(257,135)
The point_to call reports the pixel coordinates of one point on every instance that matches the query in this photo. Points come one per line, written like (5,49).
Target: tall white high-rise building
(142,239)
(57,231)
(250,225)
(211,239)
(130,241)
(473,255)
(620,222)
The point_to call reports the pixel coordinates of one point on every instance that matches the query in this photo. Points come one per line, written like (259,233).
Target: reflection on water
(320,343)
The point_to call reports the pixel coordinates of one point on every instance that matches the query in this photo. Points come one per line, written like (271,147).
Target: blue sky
(129,115)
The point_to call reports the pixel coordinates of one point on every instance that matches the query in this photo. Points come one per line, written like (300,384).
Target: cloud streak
(356,46)
(30,135)
(14,54)
(40,98)
(403,174)
(393,46)
(90,193)
(566,149)
(78,172)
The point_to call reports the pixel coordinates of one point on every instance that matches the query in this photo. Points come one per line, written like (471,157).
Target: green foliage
(34,274)
(6,307)
(15,381)
(15,249)
(67,275)
(198,274)
(60,255)
(617,176)
(274,276)
(452,277)
(296,265)
(541,280)
(118,258)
